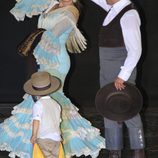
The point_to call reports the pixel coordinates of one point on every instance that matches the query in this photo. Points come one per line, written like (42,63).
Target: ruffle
(15,132)
(47,51)
(49,43)
(78,147)
(46,60)
(25,107)
(79,136)
(29,8)
(12,153)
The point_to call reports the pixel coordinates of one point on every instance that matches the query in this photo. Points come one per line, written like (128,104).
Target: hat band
(42,88)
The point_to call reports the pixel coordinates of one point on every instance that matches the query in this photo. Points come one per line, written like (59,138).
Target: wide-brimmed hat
(41,83)
(118,105)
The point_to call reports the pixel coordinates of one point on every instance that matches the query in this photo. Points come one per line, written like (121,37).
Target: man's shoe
(115,154)
(139,153)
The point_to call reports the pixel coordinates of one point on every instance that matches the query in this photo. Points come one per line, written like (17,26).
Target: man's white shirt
(130,24)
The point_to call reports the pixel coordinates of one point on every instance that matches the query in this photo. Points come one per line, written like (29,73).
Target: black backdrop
(83,80)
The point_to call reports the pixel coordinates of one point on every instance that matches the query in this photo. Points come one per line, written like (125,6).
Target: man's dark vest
(111,35)
(91,21)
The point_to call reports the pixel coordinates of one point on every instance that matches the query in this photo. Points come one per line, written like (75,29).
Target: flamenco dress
(79,136)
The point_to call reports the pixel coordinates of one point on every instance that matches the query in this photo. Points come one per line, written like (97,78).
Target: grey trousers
(114,133)
(111,60)
(49,147)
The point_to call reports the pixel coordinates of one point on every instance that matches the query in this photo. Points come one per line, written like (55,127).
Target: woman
(59,20)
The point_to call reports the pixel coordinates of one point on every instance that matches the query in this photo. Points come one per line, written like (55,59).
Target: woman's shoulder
(73,10)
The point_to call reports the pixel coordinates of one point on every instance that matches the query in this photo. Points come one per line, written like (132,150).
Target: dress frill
(79,136)
(29,8)
(15,132)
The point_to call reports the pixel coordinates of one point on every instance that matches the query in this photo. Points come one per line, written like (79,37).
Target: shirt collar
(45,97)
(117,7)
(104,5)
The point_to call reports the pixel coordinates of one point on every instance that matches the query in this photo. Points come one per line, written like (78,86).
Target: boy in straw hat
(46,113)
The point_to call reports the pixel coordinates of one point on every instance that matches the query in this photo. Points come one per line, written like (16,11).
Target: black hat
(118,105)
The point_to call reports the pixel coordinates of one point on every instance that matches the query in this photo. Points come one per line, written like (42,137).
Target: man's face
(111,2)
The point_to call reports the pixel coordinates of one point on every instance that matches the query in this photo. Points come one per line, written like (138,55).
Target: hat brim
(55,85)
(110,111)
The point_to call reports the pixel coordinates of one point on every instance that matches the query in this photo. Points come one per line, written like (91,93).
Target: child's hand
(33,139)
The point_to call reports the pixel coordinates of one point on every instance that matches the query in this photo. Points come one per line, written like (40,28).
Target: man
(119,52)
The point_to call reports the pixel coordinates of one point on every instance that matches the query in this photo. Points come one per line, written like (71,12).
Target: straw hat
(41,83)
(118,105)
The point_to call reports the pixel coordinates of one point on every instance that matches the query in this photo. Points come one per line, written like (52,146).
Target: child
(46,113)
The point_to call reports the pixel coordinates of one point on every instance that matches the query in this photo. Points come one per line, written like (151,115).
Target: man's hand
(119,83)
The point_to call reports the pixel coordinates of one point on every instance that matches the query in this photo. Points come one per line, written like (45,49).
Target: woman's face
(64,3)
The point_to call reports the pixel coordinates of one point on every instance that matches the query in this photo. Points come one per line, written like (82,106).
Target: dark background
(83,80)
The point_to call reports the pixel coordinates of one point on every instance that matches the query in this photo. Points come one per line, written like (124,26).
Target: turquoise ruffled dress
(79,136)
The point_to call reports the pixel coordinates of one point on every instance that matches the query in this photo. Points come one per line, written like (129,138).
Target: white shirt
(52,112)
(130,24)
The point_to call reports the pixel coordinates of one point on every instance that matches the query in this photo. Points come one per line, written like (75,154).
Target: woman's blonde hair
(78,5)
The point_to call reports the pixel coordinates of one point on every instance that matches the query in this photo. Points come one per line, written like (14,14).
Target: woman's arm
(76,42)
(67,20)
(30,8)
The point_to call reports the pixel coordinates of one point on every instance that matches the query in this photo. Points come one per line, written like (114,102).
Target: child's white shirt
(48,111)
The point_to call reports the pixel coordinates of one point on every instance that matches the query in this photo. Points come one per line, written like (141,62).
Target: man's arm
(130,24)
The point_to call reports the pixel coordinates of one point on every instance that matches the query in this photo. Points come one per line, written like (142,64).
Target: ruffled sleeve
(76,43)
(29,8)
(59,22)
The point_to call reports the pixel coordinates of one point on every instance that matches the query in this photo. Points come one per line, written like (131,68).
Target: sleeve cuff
(36,118)
(124,75)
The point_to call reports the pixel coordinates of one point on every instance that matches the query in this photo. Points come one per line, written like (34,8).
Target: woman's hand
(119,83)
